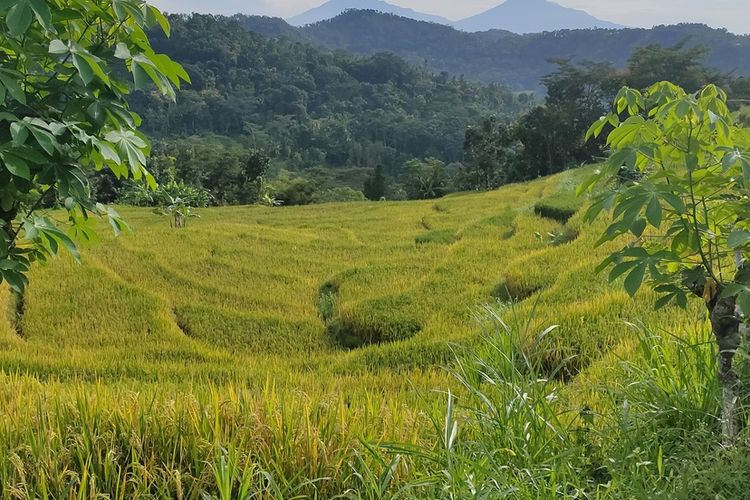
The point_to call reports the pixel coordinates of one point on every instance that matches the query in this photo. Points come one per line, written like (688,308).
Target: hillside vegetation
(308,107)
(260,344)
(519,61)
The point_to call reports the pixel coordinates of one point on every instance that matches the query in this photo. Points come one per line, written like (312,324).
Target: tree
(425,179)
(553,135)
(254,166)
(64,114)
(679,64)
(374,188)
(687,207)
(489,155)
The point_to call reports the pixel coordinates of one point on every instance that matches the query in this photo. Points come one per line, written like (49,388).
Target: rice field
(259,352)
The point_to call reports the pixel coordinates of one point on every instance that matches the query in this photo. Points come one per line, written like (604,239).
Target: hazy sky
(731,14)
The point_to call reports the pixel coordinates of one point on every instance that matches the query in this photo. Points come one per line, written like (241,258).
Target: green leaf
(654,212)
(17,166)
(84,69)
(19,18)
(58,47)
(12,84)
(19,133)
(743,299)
(16,281)
(122,51)
(664,301)
(42,12)
(45,140)
(731,290)
(160,18)
(737,239)
(93,63)
(638,227)
(635,279)
(46,229)
(140,77)
(621,269)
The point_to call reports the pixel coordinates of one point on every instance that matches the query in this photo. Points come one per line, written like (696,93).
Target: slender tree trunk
(725,323)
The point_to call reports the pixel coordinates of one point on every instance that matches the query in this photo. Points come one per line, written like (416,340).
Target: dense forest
(519,61)
(277,120)
(308,107)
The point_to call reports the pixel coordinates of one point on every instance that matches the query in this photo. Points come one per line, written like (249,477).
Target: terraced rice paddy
(291,332)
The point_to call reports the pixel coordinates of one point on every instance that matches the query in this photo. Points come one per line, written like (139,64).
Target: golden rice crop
(140,370)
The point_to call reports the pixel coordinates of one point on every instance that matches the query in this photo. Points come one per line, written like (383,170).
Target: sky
(731,14)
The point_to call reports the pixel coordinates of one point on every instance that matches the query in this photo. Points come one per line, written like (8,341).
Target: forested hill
(500,56)
(306,106)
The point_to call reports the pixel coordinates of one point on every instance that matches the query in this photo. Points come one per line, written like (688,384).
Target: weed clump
(327,296)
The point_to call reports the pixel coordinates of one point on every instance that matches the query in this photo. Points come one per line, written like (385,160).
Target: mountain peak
(333,8)
(532,16)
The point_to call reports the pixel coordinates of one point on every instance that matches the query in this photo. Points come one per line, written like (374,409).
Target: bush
(425,179)
(141,195)
(293,190)
(338,195)
(327,296)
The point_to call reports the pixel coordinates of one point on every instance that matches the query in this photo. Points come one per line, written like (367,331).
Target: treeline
(519,61)
(276,121)
(551,137)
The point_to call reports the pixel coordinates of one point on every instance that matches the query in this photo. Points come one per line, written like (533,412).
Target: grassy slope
(226,314)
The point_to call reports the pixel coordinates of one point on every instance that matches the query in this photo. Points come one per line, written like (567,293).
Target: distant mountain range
(499,56)
(333,8)
(517,16)
(532,16)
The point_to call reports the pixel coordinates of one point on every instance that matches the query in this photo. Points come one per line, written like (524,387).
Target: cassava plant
(66,68)
(678,181)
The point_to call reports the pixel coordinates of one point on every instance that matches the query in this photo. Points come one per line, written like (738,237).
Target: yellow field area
(300,328)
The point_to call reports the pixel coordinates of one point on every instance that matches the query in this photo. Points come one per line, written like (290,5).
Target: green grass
(259,348)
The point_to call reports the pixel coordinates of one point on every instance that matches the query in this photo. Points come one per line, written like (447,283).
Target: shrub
(375,185)
(327,296)
(338,195)
(291,189)
(516,432)
(140,195)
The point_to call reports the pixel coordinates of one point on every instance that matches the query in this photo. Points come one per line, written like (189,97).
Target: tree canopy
(63,91)
(683,199)
(307,107)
